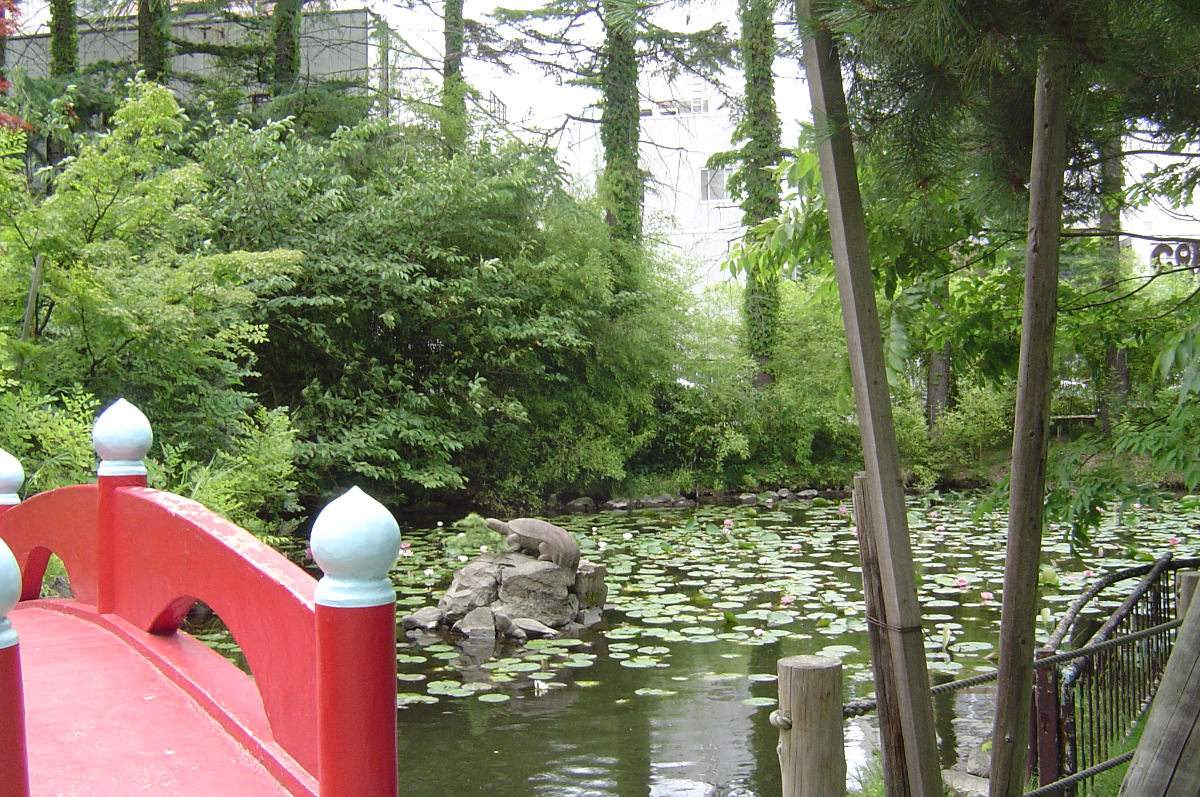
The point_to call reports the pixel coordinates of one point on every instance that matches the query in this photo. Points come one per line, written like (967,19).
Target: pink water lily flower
(961,582)
(986,596)
(786,599)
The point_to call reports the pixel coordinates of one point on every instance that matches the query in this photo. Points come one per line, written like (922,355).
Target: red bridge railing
(322,653)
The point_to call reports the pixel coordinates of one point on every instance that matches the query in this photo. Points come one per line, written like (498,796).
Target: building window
(712,185)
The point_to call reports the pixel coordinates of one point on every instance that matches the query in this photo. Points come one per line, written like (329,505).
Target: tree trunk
(1114,380)
(285,45)
(454,89)
(622,183)
(8,11)
(1030,430)
(152,38)
(64,38)
(761,129)
(29,322)
(939,383)
(864,341)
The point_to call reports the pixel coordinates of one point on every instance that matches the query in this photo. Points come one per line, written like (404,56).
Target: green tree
(760,128)
(454,87)
(64,38)
(285,45)
(153,27)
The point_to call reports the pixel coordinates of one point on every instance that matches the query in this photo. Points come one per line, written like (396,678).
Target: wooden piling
(812,754)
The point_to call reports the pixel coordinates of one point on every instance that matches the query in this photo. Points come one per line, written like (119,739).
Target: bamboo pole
(812,753)
(909,681)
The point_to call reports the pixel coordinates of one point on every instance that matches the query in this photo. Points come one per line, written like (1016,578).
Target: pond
(670,694)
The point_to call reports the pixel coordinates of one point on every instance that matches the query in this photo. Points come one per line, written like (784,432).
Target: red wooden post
(355,540)
(121,437)
(14,756)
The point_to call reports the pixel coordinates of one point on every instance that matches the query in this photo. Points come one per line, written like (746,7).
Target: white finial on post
(10,594)
(12,476)
(121,437)
(355,540)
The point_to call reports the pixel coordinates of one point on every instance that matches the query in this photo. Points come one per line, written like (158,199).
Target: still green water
(670,694)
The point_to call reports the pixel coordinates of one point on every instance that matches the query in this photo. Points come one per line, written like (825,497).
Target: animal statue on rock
(546,541)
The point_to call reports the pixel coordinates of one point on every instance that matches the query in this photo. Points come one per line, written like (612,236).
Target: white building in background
(688,205)
(334,45)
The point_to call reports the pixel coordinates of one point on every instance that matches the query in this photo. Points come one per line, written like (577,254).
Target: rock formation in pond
(536,588)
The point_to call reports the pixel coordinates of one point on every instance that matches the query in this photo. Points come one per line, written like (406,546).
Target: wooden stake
(909,681)
(812,753)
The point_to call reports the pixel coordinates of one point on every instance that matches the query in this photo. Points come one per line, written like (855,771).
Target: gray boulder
(809,494)
(590,586)
(477,584)
(538,590)
(584,504)
(532,629)
(747,499)
(479,624)
(426,619)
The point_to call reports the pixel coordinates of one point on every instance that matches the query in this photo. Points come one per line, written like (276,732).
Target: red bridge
(103,695)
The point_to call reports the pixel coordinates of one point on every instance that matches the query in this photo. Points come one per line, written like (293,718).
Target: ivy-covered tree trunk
(285,45)
(622,183)
(64,38)
(152,38)
(454,89)
(1027,494)
(761,131)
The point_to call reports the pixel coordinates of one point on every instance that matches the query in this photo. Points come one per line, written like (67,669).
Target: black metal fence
(1084,708)
(1093,679)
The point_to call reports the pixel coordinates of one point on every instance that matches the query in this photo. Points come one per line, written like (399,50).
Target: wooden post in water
(1167,762)
(908,676)
(891,740)
(812,753)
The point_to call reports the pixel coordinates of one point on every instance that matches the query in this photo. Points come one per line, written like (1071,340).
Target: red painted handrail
(169,552)
(323,661)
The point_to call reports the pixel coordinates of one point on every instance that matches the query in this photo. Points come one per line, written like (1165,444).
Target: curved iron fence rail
(1105,685)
